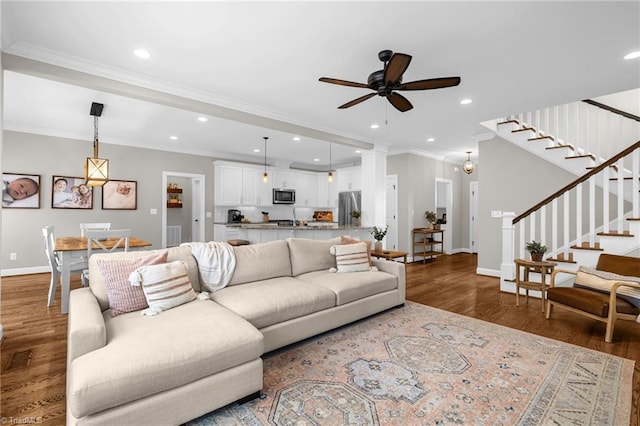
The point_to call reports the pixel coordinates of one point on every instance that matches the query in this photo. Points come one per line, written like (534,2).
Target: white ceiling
(259,62)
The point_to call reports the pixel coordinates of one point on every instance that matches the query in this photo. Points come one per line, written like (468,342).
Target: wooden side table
(527,266)
(390,254)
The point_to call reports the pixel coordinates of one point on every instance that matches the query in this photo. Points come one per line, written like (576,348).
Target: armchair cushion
(602,282)
(588,300)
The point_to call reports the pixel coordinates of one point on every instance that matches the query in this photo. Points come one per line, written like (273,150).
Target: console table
(390,254)
(427,243)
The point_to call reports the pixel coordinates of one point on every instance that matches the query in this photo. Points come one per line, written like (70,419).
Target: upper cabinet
(350,179)
(238,185)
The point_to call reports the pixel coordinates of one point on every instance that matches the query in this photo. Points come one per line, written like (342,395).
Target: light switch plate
(153,211)
(496,213)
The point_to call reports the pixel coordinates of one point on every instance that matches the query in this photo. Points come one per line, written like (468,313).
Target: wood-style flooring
(33,389)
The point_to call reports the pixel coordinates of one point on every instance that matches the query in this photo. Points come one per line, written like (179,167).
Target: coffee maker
(234,216)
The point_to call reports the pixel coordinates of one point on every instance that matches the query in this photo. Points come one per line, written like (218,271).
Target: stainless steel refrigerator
(347,202)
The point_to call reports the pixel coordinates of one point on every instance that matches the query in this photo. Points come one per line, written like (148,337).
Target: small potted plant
(356,215)
(536,249)
(379,234)
(431,218)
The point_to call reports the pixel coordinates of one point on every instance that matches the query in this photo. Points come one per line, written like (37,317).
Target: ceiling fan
(387,81)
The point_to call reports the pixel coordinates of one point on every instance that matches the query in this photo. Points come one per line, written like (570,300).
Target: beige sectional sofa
(204,354)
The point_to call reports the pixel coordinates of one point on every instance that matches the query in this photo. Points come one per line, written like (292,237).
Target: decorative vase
(377,246)
(357,222)
(430,226)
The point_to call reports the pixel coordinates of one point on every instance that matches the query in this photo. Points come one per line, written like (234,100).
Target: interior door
(473,202)
(196,201)
(391,184)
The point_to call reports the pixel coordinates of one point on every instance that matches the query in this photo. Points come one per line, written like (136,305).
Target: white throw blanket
(216,262)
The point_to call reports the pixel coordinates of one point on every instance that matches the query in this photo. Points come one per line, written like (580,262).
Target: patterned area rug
(423,366)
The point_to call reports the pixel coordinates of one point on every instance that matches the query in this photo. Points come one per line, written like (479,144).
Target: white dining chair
(94,226)
(98,237)
(54,264)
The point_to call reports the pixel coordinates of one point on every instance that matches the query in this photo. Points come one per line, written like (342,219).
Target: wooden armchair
(601,294)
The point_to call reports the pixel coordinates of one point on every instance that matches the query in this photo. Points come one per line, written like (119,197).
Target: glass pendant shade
(468,167)
(96,171)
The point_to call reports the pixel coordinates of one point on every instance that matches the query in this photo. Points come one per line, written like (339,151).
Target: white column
(374,200)
(507,267)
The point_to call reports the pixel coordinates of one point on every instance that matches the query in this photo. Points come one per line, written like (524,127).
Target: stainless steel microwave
(284,196)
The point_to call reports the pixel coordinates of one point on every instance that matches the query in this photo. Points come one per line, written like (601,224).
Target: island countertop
(317,226)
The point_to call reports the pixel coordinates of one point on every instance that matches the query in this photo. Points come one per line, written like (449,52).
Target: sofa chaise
(204,354)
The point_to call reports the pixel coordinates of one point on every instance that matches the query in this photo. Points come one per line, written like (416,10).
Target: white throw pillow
(351,257)
(165,286)
(602,281)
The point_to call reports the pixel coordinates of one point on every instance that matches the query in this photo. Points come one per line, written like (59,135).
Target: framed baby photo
(20,191)
(120,195)
(70,192)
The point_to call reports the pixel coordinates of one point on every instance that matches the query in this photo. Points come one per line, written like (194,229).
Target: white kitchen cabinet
(327,192)
(228,185)
(306,186)
(238,185)
(284,179)
(350,179)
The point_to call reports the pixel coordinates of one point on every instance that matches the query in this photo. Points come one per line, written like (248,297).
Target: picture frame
(120,195)
(21,191)
(70,192)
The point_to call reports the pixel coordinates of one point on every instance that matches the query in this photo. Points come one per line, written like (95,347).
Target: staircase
(600,210)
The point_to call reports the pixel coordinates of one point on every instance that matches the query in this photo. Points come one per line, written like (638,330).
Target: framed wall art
(120,195)
(70,192)
(20,190)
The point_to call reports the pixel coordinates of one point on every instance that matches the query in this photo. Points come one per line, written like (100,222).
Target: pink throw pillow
(123,297)
(345,239)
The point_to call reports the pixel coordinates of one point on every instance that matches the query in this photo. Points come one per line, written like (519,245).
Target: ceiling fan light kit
(387,81)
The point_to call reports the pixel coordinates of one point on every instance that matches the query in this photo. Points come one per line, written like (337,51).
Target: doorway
(444,210)
(192,209)
(391,184)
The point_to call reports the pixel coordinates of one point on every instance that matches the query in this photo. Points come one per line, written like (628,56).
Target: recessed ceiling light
(256,150)
(466,101)
(316,159)
(430,139)
(296,138)
(633,55)
(142,54)
(375,126)
(357,151)
(173,138)
(203,119)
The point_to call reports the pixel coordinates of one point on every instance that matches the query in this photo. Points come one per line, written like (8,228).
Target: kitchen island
(261,232)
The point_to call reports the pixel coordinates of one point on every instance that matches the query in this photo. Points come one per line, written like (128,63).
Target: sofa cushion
(262,261)
(345,239)
(350,257)
(96,280)
(165,286)
(353,286)
(311,255)
(276,300)
(602,281)
(123,297)
(145,355)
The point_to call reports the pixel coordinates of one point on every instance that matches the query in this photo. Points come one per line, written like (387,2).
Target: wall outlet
(13,256)
(153,211)
(208,214)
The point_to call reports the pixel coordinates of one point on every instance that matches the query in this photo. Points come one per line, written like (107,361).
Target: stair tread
(571,157)
(562,146)
(524,129)
(551,259)
(538,138)
(615,234)
(587,248)
(509,121)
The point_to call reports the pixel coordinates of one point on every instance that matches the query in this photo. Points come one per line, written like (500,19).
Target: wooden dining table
(69,249)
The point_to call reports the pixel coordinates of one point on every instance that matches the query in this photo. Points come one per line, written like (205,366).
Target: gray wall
(48,156)
(511,179)
(416,194)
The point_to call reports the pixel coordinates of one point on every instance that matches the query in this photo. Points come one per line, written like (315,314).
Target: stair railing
(576,213)
(589,127)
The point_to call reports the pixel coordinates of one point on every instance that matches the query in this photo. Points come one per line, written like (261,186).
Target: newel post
(507,267)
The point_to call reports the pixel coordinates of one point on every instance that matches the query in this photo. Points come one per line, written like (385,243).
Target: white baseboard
(25,271)
(488,272)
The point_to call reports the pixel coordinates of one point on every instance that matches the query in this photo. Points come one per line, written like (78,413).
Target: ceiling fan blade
(431,83)
(401,103)
(357,101)
(395,68)
(343,82)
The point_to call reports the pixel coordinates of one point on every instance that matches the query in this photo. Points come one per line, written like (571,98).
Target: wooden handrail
(578,181)
(612,109)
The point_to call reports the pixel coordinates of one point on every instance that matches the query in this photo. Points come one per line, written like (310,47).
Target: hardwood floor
(35,391)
